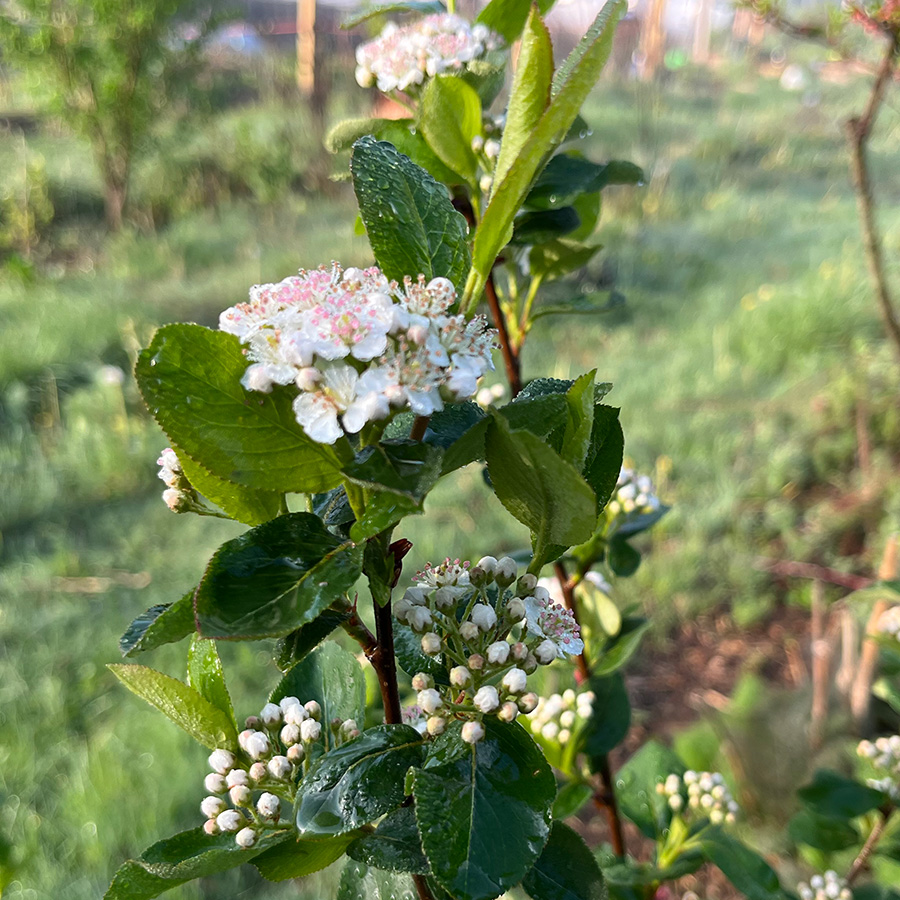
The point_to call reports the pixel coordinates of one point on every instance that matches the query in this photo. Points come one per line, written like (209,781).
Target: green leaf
(293,647)
(571,797)
(395,844)
(449,117)
(487,79)
(636,524)
(589,305)
(247,505)
(636,787)
(623,559)
(300,857)
(542,227)
(397,476)
(822,832)
(483,809)
(530,91)
(743,867)
(190,379)
(408,648)
(623,646)
(182,858)
(411,223)
(333,678)
(837,796)
(275,578)
(556,259)
(604,456)
(610,716)
(568,176)
(354,784)
(163,624)
(539,488)
(579,421)
(205,675)
(369,11)
(359,882)
(183,705)
(572,85)
(565,870)
(508,17)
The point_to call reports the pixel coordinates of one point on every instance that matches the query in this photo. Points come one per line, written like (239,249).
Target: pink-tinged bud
(296,754)
(476,661)
(507,569)
(469,631)
(310,730)
(508,712)
(472,732)
(478,577)
(258,772)
(528,702)
(271,714)
(257,745)
(269,807)
(230,820)
(245,838)
(498,653)
(210,827)
(279,768)
(514,681)
(313,709)
(519,651)
(243,737)
(429,700)
(215,783)
(530,663)
(436,725)
(253,723)
(240,795)
(421,682)
(431,644)
(212,806)
(221,761)
(290,734)
(545,652)
(460,676)
(486,699)
(236,777)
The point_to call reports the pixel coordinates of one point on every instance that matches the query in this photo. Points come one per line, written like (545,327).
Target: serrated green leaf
(450,117)
(822,832)
(190,379)
(605,452)
(553,260)
(508,17)
(483,809)
(183,705)
(571,798)
(303,856)
(411,223)
(395,844)
(579,420)
(206,677)
(743,867)
(275,578)
(359,882)
(544,226)
(163,624)
(565,870)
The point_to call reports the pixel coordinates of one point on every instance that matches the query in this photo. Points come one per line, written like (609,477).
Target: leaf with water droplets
(360,882)
(395,844)
(566,870)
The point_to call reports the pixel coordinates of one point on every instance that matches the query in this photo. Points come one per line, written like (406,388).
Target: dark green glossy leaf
(354,784)
(604,455)
(181,704)
(411,223)
(589,305)
(743,867)
(565,870)
(190,379)
(294,646)
(166,623)
(450,117)
(370,10)
(333,678)
(571,797)
(631,874)
(179,859)
(610,716)
(359,882)
(408,647)
(568,175)
(486,77)
(623,646)
(303,856)
(636,524)
(874,892)
(275,578)
(508,17)
(831,794)
(623,559)
(205,675)
(822,832)
(554,259)
(334,509)
(636,787)
(395,844)
(483,809)
(544,226)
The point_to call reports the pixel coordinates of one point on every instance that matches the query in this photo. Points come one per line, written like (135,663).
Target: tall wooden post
(306,47)
(652,46)
(702,32)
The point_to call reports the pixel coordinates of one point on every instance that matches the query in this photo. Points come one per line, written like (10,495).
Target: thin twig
(422,888)
(871,842)
(510,356)
(419,427)
(791,569)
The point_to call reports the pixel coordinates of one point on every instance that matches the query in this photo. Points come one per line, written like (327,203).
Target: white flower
(221,761)
(245,838)
(429,700)
(212,806)
(498,652)
(268,806)
(486,699)
(257,745)
(230,820)
(472,732)
(514,681)
(483,616)
(555,623)
(310,730)
(317,411)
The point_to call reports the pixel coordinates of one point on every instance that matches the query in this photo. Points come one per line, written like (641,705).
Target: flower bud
(279,767)
(491,149)
(271,714)
(545,652)
(472,732)
(258,772)
(444,598)
(460,676)
(550,731)
(210,827)
(508,712)
(296,754)
(515,609)
(253,723)
(488,565)
(245,838)
(307,378)
(313,709)
(419,618)
(422,682)
(468,631)
(498,653)
(542,595)
(431,644)
(514,681)
(230,820)
(478,577)
(240,795)
(418,334)
(290,735)
(436,725)
(310,730)
(526,585)
(236,777)
(485,183)
(429,700)
(212,806)
(519,651)
(269,806)
(507,569)
(295,715)
(215,783)
(530,663)
(486,699)
(221,761)
(527,703)
(257,745)
(401,609)
(477,143)
(483,616)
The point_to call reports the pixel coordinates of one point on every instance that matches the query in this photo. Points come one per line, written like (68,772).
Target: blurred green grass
(748,338)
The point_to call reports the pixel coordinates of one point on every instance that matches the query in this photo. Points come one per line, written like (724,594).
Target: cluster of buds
(275,750)
(487,151)
(707,796)
(829,886)
(884,754)
(634,495)
(400,58)
(491,630)
(889,622)
(359,348)
(558,716)
(179,494)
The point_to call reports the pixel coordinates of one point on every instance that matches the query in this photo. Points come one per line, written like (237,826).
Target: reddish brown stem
(419,427)
(859,864)
(509,353)
(422,888)
(568,592)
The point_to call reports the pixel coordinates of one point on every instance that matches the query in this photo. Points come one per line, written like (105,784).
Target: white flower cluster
(178,494)
(889,622)
(633,495)
(275,752)
(558,716)
(400,58)
(359,347)
(707,795)
(884,754)
(829,886)
(488,646)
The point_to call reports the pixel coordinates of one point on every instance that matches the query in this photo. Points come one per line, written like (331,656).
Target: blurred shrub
(25,208)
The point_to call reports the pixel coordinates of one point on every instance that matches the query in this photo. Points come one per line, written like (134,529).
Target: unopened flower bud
(245,838)
(419,618)
(236,777)
(296,754)
(313,709)
(307,378)
(240,795)
(519,651)
(528,702)
(542,595)
(545,652)
(491,149)
(468,631)
(221,761)
(508,712)
(268,806)
(295,715)
(460,676)
(271,714)
(506,571)
(253,723)
(210,827)
(257,745)
(212,806)
(279,767)
(290,735)
(230,820)
(515,609)
(436,725)
(215,783)
(486,699)
(478,577)
(476,661)
(483,616)
(514,681)
(472,732)
(310,730)
(431,644)
(444,598)
(258,772)
(477,143)
(676,802)
(530,663)
(488,565)
(498,653)
(421,681)
(429,700)
(526,585)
